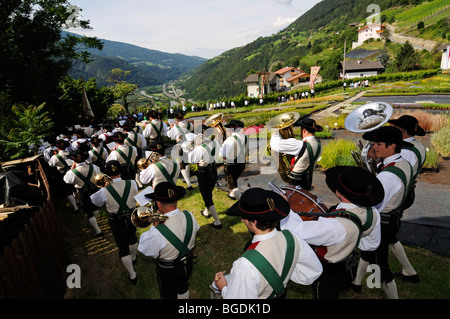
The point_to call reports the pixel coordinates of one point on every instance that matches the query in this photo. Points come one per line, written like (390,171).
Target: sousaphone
(215,120)
(284,123)
(366,118)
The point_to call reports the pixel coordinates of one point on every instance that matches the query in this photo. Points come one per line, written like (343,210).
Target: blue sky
(203,28)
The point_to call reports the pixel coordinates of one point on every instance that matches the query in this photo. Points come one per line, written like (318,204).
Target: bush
(337,152)
(432,160)
(441,141)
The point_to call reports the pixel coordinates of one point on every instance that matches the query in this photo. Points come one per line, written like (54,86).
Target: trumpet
(366,118)
(100,180)
(143,163)
(215,120)
(143,216)
(284,123)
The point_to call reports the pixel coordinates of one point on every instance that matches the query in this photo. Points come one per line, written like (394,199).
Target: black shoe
(134,261)
(412,278)
(76,211)
(356,288)
(133,281)
(206,216)
(232,197)
(101,234)
(190,188)
(216,226)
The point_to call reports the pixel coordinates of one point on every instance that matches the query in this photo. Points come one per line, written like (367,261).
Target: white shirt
(290,146)
(99,198)
(152,241)
(392,184)
(69,177)
(148,128)
(244,279)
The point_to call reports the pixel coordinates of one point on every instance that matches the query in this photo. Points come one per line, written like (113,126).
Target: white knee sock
(73,201)
(185,173)
(236,193)
(184,296)
(212,210)
(390,289)
(128,263)
(399,252)
(93,222)
(361,272)
(133,250)
(137,178)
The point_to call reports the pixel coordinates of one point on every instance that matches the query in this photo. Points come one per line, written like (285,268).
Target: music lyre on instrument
(284,123)
(100,180)
(366,118)
(143,216)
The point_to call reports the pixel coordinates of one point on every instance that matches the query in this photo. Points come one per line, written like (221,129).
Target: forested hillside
(148,67)
(315,38)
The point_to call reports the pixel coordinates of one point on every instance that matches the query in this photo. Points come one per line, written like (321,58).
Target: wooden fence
(33,264)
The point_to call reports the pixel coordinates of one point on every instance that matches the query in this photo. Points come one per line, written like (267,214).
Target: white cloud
(280,23)
(283,1)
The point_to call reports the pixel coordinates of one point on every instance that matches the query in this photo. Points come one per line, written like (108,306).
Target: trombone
(143,163)
(143,216)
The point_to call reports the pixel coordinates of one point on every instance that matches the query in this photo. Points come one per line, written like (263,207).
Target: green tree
(35,55)
(121,89)
(407,59)
(28,125)
(384,57)
(100,99)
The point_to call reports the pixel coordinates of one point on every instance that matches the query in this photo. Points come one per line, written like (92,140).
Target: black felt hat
(309,124)
(113,168)
(62,144)
(235,123)
(408,123)
(167,192)
(79,156)
(387,134)
(356,184)
(119,136)
(258,203)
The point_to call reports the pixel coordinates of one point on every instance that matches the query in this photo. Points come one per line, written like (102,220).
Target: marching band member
(155,129)
(171,242)
(203,154)
(415,155)
(137,140)
(354,223)
(118,197)
(98,153)
(62,162)
(81,175)
(125,154)
(178,131)
(234,152)
(396,176)
(281,253)
(306,152)
(163,170)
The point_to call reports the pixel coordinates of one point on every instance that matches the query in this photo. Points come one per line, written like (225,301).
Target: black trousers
(232,173)
(83,195)
(173,277)
(124,232)
(207,178)
(390,226)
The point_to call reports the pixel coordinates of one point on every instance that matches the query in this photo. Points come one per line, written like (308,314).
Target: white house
(287,75)
(445,59)
(360,69)
(259,84)
(370,31)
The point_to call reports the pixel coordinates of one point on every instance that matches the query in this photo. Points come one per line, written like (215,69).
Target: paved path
(330,111)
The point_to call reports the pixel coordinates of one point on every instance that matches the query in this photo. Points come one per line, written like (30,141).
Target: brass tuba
(215,120)
(100,180)
(366,118)
(143,216)
(284,123)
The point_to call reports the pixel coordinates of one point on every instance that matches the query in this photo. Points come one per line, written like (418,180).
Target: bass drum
(301,200)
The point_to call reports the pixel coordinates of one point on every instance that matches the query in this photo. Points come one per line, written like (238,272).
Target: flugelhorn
(284,123)
(215,120)
(143,216)
(143,163)
(100,180)
(366,118)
